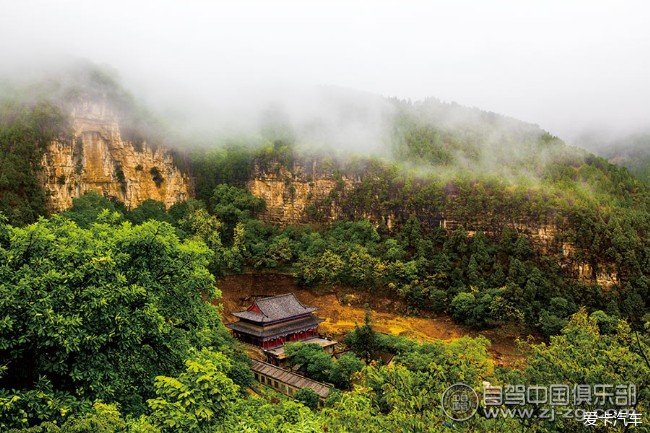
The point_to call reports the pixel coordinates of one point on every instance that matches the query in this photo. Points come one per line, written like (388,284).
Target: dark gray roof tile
(290,378)
(275,308)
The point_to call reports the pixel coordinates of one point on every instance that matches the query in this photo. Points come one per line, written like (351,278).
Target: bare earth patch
(342,311)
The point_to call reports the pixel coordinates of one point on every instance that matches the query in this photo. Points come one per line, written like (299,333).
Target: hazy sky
(565,65)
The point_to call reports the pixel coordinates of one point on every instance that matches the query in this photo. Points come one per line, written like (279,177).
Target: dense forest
(632,152)
(106,327)
(110,317)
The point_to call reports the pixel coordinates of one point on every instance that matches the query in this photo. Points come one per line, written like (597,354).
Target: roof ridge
(276,296)
(277,307)
(293,373)
(258,307)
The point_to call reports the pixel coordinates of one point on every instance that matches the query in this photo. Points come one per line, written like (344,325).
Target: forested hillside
(463,207)
(481,210)
(632,152)
(110,318)
(108,327)
(77,130)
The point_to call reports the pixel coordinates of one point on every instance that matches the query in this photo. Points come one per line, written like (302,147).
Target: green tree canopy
(100,312)
(25,131)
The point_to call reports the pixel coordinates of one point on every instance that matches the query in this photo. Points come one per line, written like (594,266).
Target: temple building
(270,322)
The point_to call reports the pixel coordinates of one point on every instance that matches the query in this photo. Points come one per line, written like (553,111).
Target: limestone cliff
(295,195)
(99,158)
(312,192)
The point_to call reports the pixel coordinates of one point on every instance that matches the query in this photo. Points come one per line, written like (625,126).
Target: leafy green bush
(86,209)
(308,397)
(25,131)
(100,312)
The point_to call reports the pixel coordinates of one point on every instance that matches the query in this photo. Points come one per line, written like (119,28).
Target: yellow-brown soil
(342,311)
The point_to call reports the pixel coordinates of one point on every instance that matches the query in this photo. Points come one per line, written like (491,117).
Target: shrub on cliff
(25,131)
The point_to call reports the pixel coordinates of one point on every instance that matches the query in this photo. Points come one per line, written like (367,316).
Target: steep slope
(74,131)
(305,195)
(98,158)
(444,166)
(633,153)
(449,168)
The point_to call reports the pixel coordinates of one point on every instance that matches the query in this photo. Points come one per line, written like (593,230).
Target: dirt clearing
(342,311)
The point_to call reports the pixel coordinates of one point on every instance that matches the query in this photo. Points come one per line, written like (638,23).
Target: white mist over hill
(569,67)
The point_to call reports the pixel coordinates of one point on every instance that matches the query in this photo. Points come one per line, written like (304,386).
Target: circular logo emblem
(459,402)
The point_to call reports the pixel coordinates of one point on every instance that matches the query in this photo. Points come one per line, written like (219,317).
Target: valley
(125,249)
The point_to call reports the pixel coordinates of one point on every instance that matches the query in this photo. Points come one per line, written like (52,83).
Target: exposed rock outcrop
(98,158)
(309,192)
(296,195)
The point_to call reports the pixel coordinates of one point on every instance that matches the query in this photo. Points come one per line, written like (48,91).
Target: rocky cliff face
(100,159)
(295,195)
(310,192)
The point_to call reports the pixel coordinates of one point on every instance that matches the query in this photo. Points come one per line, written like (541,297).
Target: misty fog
(577,69)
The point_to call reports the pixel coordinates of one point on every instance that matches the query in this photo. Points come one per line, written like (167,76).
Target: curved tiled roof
(275,308)
(279,330)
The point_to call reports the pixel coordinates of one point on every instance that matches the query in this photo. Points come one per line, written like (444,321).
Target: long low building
(285,381)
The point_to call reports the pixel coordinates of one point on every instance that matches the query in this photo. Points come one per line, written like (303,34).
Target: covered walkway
(285,381)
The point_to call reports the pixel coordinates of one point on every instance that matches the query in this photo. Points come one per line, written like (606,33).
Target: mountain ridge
(446,166)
